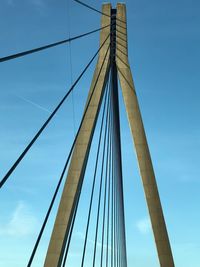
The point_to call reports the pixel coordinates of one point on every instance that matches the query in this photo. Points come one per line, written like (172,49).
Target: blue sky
(164,54)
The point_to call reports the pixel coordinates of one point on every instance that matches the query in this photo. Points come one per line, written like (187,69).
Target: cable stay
(65,166)
(107,225)
(35,50)
(98,11)
(10,171)
(104,117)
(95,176)
(109,245)
(108,216)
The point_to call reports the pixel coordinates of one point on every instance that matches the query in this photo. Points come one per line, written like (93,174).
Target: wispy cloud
(144,225)
(22,222)
(33,103)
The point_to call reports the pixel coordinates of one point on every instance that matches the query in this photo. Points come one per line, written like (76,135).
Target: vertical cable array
(120,258)
(105,211)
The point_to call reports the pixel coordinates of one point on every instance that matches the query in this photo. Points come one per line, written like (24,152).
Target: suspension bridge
(105,213)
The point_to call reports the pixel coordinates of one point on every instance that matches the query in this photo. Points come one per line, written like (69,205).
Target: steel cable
(105,185)
(94,179)
(64,252)
(100,186)
(28,52)
(96,10)
(64,169)
(5,178)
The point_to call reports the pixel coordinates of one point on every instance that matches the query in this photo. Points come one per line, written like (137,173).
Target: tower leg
(80,154)
(141,146)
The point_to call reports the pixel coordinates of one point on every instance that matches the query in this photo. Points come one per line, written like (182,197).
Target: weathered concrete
(80,154)
(141,146)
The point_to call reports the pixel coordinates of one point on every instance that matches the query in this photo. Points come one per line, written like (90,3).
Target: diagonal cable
(67,238)
(64,169)
(96,10)
(100,186)
(5,178)
(94,179)
(28,52)
(106,186)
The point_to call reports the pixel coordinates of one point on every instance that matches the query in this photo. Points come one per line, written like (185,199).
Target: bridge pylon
(141,145)
(79,158)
